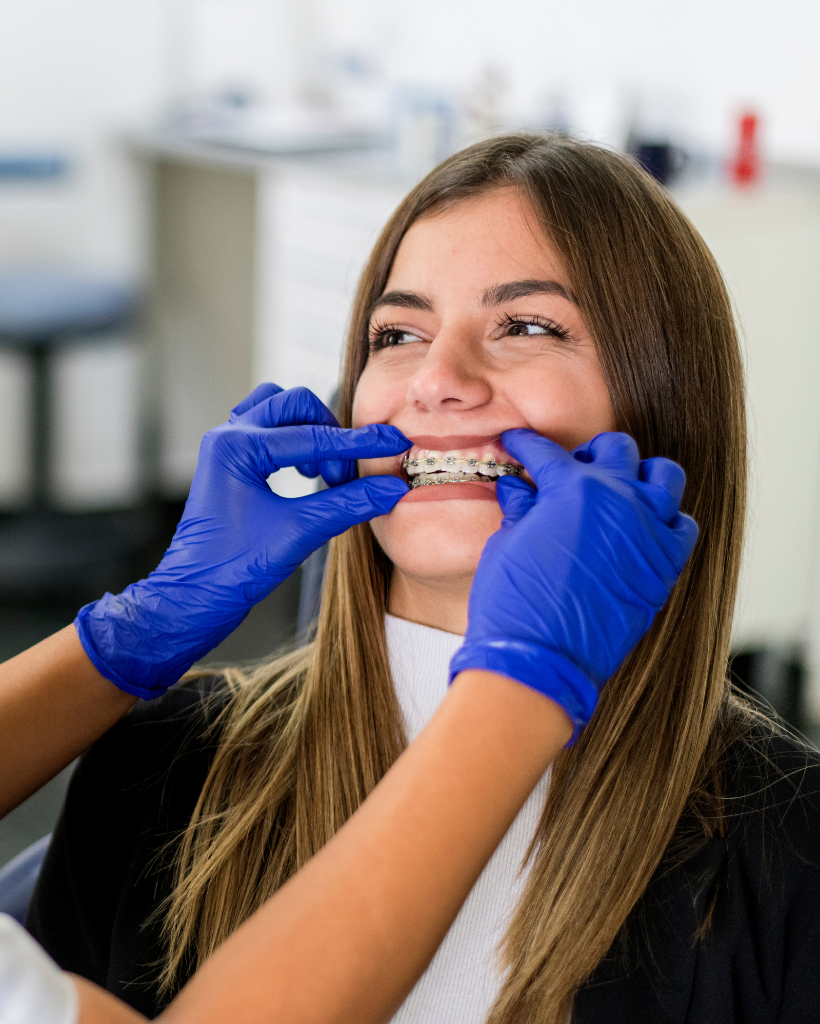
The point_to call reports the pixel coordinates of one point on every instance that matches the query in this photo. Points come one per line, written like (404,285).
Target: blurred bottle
(745,167)
(423,127)
(482,107)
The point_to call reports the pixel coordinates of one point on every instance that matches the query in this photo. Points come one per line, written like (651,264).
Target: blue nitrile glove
(237,540)
(578,570)
(306,409)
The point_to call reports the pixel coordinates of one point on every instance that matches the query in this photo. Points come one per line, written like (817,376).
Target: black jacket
(758,962)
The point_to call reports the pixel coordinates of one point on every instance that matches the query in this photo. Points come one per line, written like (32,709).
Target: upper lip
(453,442)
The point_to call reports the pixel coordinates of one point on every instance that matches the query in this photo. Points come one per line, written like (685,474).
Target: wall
(700,59)
(768,249)
(74,72)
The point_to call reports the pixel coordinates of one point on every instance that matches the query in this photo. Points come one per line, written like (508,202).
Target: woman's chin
(443,538)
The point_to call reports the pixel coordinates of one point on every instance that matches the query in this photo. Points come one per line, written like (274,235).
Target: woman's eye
(392,337)
(520,329)
(517,328)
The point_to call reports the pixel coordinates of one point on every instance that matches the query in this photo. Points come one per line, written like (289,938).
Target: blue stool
(39,312)
(44,551)
(18,878)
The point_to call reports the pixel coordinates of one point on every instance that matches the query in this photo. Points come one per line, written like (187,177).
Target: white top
(33,989)
(463,979)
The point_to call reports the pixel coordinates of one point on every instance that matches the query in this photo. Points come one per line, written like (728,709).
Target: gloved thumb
(328,513)
(612,450)
(685,531)
(661,487)
(515,496)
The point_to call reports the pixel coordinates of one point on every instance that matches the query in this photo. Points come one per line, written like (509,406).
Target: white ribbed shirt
(463,978)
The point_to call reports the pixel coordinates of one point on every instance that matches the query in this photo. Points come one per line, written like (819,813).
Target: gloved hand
(237,540)
(572,580)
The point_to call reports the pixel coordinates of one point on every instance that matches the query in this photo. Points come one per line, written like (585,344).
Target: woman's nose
(450,377)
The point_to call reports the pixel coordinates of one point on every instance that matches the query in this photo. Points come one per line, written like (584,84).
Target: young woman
(667,868)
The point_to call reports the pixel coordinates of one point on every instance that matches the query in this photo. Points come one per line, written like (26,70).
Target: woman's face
(475,333)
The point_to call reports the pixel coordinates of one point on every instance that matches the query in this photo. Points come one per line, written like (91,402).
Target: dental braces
(442,477)
(417,481)
(505,467)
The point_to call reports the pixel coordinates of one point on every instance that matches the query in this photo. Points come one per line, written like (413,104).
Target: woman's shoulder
(155,734)
(769,768)
(196,698)
(154,759)
(771,801)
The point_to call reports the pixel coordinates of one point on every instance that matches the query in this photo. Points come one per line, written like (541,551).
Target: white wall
(73,72)
(705,56)
(768,250)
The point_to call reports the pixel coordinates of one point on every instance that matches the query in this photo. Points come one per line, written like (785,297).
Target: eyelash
(536,321)
(378,332)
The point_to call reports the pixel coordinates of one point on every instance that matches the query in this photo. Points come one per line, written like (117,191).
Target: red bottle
(745,167)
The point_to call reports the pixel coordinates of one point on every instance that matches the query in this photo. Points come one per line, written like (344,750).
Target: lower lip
(470,490)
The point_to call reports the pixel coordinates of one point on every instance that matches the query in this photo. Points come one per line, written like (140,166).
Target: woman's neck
(439,602)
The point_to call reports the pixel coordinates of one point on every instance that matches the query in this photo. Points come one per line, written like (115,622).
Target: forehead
(478,242)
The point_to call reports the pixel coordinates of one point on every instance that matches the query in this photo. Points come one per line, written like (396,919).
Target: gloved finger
(286,408)
(685,532)
(537,454)
(612,450)
(294,446)
(259,393)
(333,473)
(302,406)
(337,472)
(328,513)
(662,485)
(516,497)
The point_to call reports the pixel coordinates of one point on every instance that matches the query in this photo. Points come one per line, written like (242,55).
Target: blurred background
(189,189)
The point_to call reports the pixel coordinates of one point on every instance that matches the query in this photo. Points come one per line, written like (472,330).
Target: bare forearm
(53,705)
(349,935)
(96,1006)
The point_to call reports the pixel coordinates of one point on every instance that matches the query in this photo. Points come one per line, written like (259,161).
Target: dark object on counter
(660,159)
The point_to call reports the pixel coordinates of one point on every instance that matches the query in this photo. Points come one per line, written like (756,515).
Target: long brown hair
(305,739)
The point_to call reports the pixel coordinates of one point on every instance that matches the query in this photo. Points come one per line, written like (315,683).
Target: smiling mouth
(425,467)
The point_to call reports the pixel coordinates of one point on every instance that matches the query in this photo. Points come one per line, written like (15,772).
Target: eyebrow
(501,293)
(407,300)
(495,296)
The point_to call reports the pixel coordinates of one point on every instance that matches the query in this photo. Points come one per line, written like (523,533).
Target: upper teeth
(471,466)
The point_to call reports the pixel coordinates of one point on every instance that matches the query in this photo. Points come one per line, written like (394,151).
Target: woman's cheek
(377,467)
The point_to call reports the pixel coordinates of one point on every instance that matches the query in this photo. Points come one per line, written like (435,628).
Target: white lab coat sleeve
(33,989)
